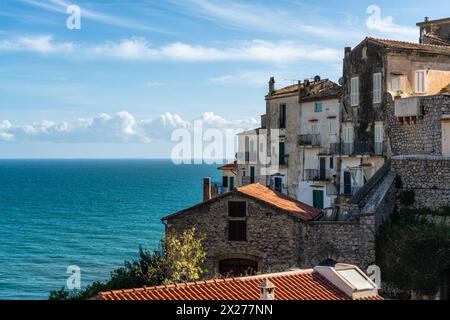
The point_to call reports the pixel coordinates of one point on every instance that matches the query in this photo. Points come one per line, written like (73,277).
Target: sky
(135,71)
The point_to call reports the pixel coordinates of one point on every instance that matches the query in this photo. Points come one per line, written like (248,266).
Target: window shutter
(237,209)
(376,87)
(354,90)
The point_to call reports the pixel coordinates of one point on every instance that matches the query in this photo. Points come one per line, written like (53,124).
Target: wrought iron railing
(309,140)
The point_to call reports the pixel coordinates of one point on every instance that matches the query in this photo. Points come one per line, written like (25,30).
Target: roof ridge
(407,42)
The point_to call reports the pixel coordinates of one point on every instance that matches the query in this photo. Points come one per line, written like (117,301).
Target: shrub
(407,198)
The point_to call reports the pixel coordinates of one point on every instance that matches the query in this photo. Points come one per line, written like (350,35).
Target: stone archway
(238,265)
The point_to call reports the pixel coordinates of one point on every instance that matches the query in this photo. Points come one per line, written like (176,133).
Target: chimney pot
(206,189)
(267,290)
(427,19)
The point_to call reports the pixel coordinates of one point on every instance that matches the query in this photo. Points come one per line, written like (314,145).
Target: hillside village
(313,185)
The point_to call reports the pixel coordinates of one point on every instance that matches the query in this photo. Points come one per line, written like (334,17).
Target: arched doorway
(238,267)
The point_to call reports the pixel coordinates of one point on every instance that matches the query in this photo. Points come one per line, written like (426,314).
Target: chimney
(348,50)
(427,19)
(271,85)
(206,189)
(267,290)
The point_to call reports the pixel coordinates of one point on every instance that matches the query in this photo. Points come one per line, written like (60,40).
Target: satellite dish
(341,81)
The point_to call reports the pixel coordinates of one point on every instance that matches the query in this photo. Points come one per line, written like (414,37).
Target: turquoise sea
(90,213)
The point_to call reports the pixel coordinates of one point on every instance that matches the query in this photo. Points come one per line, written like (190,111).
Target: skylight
(356,279)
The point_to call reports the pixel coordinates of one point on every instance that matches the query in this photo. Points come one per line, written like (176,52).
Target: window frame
(377,84)
(354,91)
(235,236)
(234,215)
(283,116)
(417,81)
(316,109)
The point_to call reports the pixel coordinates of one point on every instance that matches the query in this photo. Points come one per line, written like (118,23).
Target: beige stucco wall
(438,72)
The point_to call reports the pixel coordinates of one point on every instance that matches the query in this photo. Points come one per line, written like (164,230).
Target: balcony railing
(408,107)
(309,140)
(363,148)
(317,175)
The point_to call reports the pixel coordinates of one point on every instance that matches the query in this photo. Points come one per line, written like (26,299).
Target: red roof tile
(230,166)
(279,200)
(268,196)
(295,285)
(394,44)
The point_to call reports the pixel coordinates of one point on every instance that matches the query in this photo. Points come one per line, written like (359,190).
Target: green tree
(184,256)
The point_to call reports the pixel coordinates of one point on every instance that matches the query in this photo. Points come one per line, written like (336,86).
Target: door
(231,183)
(278,185)
(252,174)
(318,199)
(347,183)
(323,170)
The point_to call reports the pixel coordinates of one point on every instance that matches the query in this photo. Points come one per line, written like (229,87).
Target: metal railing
(317,175)
(309,140)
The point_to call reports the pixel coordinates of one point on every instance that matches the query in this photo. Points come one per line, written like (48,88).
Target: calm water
(89,213)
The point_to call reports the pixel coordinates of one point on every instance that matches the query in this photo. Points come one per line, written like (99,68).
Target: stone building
(254,229)
(375,73)
(435,31)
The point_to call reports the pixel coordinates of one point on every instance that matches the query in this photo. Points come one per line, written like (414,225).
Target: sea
(88,214)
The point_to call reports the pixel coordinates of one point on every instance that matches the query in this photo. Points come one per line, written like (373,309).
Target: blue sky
(137,69)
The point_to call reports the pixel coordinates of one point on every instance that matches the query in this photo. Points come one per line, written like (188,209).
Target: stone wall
(272,236)
(344,242)
(428,176)
(425,135)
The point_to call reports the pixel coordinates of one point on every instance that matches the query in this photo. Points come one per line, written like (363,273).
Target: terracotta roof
(394,44)
(294,285)
(280,201)
(268,196)
(316,89)
(230,166)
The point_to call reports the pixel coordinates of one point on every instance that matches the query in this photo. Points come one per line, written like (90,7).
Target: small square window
(237,230)
(237,209)
(318,107)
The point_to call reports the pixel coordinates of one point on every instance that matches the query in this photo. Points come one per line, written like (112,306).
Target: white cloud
(256,50)
(40,44)
(141,49)
(121,127)
(386,25)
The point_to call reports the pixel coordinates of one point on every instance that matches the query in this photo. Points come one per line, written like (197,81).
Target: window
(237,209)
(318,107)
(332,163)
(354,92)
(379,139)
(348,135)
(252,175)
(282,116)
(237,230)
(420,81)
(282,159)
(225,182)
(332,126)
(377,87)
(395,84)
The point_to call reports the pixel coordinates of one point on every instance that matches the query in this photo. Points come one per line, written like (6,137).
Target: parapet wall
(428,176)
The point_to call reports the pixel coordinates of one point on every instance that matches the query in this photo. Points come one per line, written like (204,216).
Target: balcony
(408,108)
(361,148)
(312,140)
(317,175)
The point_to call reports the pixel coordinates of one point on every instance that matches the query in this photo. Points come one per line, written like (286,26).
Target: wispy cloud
(386,25)
(60,6)
(41,44)
(122,127)
(265,19)
(141,49)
